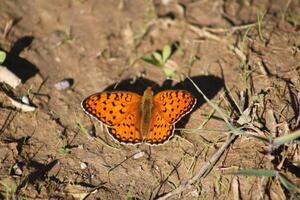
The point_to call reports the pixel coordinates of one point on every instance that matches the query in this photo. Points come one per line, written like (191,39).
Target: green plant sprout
(65,148)
(10,188)
(161,59)
(260,21)
(2,56)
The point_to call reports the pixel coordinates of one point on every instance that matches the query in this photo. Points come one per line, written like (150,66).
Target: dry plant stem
(262,188)
(202,33)
(231,30)
(8,120)
(206,168)
(119,164)
(175,167)
(8,27)
(236,188)
(101,141)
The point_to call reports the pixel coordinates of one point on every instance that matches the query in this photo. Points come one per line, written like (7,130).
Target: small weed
(292,18)
(160,59)
(81,127)
(157,58)
(10,188)
(2,56)
(29,90)
(244,66)
(260,22)
(150,14)
(131,192)
(193,57)
(148,19)
(65,148)
(296,45)
(68,36)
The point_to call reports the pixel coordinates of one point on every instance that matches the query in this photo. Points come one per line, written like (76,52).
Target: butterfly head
(148,93)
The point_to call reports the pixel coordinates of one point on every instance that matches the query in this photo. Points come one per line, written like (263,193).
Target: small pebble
(17,169)
(25,100)
(83,165)
(195,193)
(64,84)
(57,59)
(139,155)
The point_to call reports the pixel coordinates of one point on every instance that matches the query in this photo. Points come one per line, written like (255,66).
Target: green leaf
(169,72)
(255,172)
(151,60)
(286,138)
(158,57)
(166,53)
(2,56)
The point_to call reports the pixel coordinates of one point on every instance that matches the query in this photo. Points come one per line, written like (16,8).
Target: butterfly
(134,119)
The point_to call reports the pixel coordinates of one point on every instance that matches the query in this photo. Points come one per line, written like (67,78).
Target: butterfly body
(133,119)
(146,105)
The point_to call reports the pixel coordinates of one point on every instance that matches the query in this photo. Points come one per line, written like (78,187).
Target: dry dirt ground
(244,56)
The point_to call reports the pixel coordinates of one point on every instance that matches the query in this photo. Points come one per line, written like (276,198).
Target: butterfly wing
(128,130)
(174,104)
(110,107)
(160,130)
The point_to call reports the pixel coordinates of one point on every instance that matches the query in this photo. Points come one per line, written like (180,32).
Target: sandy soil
(244,56)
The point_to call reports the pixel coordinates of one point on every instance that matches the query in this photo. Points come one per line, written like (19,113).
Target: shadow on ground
(18,65)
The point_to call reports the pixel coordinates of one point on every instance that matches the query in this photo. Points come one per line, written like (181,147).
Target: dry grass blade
(236,188)
(8,27)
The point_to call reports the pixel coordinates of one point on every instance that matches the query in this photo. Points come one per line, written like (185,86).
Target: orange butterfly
(131,118)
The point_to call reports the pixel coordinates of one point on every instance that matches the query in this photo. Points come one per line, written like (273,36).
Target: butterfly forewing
(110,107)
(174,104)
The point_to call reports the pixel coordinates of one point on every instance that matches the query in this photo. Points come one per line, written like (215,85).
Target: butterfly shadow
(209,85)
(138,85)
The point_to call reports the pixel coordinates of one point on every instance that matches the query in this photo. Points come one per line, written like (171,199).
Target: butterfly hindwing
(128,130)
(160,130)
